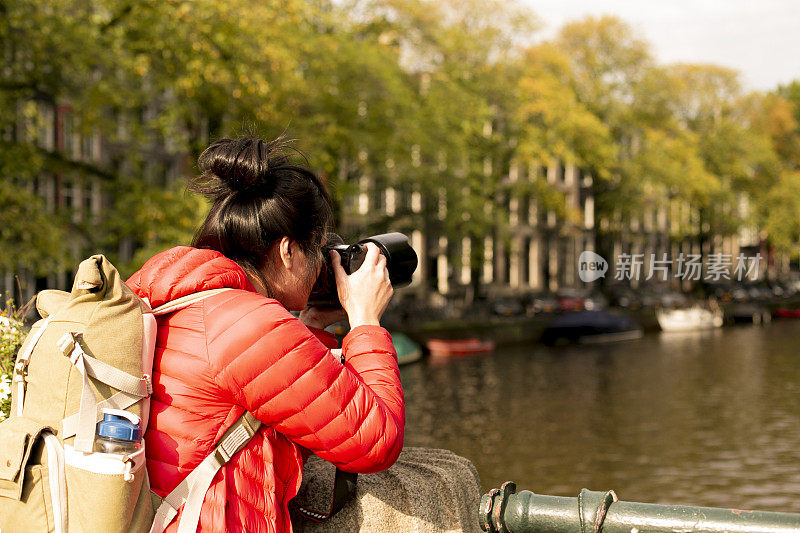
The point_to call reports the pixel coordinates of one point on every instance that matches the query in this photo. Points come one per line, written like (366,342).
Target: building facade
(533,245)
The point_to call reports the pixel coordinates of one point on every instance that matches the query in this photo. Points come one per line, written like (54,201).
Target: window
(67,194)
(67,138)
(87,147)
(524,208)
(46,127)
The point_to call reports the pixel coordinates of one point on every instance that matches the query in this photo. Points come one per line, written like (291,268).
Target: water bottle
(119,432)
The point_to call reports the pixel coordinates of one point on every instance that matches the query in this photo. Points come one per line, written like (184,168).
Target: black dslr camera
(401,262)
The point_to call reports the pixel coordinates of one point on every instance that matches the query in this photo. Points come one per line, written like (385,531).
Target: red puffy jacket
(238,351)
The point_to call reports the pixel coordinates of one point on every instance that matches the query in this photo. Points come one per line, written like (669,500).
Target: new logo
(591,266)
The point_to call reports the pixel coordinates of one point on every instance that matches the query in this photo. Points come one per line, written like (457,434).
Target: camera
(401,262)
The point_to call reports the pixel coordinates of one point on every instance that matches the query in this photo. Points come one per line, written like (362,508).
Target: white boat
(693,318)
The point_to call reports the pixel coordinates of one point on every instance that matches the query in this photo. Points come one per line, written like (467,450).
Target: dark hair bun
(247,164)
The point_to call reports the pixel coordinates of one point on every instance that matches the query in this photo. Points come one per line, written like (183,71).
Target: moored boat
(587,327)
(459,346)
(691,319)
(786,313)
(407,350)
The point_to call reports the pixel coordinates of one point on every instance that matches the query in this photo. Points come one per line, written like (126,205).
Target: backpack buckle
(20,369)
(148,380)
(67,343)
(220,456)
(127,475)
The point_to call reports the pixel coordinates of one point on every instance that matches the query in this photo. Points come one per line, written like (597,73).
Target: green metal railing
(504,510)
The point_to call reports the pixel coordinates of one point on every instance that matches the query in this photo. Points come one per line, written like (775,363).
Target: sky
(759,38)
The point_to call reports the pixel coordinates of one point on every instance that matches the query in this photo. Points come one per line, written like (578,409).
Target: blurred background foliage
(418,93)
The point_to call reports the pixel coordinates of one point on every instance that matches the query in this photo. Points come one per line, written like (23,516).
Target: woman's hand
(365,293)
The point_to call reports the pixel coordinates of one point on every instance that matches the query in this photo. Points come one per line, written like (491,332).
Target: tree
(779,211)
(709,103)
(554,123)
(773,195)
(89,70)
(607,60)
(359,114)
(29,236)
(777,116)
(455,86)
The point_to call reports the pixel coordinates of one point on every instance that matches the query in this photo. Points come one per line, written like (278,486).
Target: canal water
(704,418)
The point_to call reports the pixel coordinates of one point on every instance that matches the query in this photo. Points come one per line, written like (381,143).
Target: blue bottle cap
(118,427)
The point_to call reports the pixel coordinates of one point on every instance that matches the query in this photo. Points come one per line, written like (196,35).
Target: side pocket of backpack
(32,489)
(108,492)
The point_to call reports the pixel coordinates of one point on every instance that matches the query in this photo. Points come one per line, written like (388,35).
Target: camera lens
(401,259)
(401,262)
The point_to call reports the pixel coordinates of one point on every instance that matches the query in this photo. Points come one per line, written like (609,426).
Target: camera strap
(344,488)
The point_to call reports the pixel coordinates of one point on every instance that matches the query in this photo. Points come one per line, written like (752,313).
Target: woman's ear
(285,251)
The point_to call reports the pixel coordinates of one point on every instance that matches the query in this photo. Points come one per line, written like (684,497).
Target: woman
(241,349)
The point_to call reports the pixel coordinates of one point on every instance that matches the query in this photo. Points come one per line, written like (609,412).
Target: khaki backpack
(92,350)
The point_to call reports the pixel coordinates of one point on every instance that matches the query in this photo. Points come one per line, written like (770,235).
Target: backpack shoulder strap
(187,300)
(192,490)
(23,359)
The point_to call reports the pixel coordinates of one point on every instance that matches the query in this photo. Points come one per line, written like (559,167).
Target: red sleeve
(352,415)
